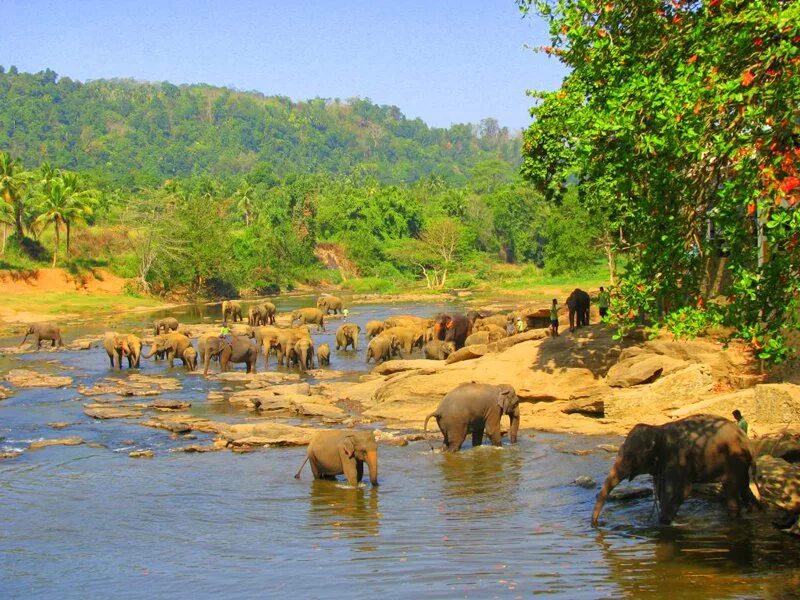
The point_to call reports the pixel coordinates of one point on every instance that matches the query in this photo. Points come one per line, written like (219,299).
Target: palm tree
(6,218)
(79,204)
(53,207)
(12,186)
(244,199)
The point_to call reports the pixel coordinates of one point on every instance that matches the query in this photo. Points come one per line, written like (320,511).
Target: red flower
(751,209)
(789,184)
(713,3)
(747,78)
(757,42)
(692,59)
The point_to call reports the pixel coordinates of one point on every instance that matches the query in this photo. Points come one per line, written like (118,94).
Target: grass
(73,303)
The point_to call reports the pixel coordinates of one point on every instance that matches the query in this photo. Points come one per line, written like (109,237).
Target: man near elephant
(554,318)
(603,302)
(740,420)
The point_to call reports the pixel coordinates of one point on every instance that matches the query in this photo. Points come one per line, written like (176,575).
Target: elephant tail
(428,418)
(297,475)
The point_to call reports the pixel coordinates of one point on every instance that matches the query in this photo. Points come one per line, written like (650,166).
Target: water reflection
(340,511)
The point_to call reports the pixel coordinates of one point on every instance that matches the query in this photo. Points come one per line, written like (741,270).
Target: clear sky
(446,61)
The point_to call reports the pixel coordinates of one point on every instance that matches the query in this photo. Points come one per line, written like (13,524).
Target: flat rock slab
(170,404)
(59,425)
(196,448)
(26,378)
(398,366)
(134,385)
(255,380)
(9,455)
(585,481)
(141,454)
(623,494)
(174,426)
(70,441)
(102,412)
(5,393)
(266,434)
(611,448)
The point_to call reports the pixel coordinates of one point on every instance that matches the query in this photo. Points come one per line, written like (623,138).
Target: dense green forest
(129,134)
(209,191)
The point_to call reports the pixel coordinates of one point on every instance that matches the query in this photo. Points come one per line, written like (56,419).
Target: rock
(592,407)
(267,433)
(26,378)
(58,425)
(612,448)
(784,445)
(779,482)
(70,441)
(4,393)
(629,493)
(195,448)
(141,454)
(170,404)
(81,344)
(174,426)
(637,370)
(780,401)
(389,439)
(576,452)
(398,366)
(97,412)
(5,455)
(466,353)
(585,481)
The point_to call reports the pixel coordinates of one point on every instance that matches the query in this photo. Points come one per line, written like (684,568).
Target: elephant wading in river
(330,303)
(173,344)
(309,316)
(383,348)
(408,337)
(165,325)
(454,329)
(190,358)
(696,449)
(342,451)
(347,335)
(475,407)
(373,328)
(240,350)
(324,355)
(116,346)
(44,332)
(232,308)
(303,353)
(578,305)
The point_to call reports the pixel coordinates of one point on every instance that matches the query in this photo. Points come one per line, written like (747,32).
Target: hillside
(132,134)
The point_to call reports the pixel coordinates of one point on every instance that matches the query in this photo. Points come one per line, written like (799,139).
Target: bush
(371,285)
(461,281)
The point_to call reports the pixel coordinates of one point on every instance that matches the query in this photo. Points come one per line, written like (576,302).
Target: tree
(79,202)
(6,218)
(678,126)
(53,208)
(440,239)
(12,188)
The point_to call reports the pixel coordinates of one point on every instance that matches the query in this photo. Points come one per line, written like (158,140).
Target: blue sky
(446,61)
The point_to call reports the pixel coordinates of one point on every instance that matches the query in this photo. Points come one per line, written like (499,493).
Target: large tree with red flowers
(679,124)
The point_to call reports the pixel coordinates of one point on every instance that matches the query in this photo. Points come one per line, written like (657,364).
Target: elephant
(232,308)
(487,323)
(347,335)
(383,347)
(438,350)
(309,316)
(477,338)
(190,358)
(373,328)
(253,316)
(452,329)
(410,321)
(408,337)
(240,350)
(475,407)
(695,449)
(172,343)
(268,312)
(342,451)
(265,338)
(44,331)
(304,353)
(134,350)
(578,305)
(324,355)
(165,325)
(116,346)
(330,303)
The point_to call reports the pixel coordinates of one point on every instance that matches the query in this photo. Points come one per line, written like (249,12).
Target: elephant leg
(111,360)
(477,436)
(359,470)
(455,437)
(314,467)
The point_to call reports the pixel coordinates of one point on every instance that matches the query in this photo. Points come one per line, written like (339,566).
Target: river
(90,522)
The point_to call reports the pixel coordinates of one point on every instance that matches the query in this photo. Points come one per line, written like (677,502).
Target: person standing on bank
(740,420)
(603,302)
(554,318)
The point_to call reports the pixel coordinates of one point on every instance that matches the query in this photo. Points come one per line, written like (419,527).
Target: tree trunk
(3,251)
(68,228)
(18,221)
(55,248)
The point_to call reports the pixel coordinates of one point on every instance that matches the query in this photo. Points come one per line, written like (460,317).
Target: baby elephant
(324,355)
(475,407)
(342,451)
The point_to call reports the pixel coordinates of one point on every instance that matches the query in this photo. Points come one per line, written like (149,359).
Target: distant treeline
(123,133)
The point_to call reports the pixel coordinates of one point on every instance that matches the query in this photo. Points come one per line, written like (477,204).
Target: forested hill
(132,134)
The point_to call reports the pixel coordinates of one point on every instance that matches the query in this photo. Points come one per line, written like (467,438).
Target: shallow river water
(90,522)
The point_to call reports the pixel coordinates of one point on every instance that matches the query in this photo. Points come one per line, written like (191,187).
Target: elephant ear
(507,399)
(348,446)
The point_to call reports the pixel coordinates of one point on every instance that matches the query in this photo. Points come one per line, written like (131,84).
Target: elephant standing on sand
(232,308)
(44,331)
(342,451)
(475,407)
(578,305)
(347,335)
(330,303)
(696,449)
(165,325)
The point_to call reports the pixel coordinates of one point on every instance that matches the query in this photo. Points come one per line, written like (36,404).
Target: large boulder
(266,434)
(27,378)
(642,368)
(779,482)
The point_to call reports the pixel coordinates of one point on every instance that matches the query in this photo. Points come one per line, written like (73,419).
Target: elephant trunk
(610,483)
(514,429)
(372,463)
(25,338)
(152,352)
